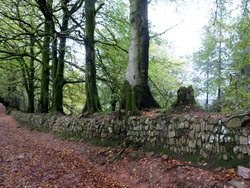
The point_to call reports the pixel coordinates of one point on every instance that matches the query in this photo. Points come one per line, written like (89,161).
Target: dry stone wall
(203,135)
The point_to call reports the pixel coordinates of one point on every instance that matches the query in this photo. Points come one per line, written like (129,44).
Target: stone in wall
(192,144)
(181,125)
(171,134)
(244,150)
(243,140)
(233,123)
(181,133)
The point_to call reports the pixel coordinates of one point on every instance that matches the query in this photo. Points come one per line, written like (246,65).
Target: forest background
(44,47)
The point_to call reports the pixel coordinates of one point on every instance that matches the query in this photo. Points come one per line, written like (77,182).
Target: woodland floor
(29,158)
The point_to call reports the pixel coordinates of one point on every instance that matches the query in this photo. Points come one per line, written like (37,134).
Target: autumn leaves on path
(29,158)
(32,159)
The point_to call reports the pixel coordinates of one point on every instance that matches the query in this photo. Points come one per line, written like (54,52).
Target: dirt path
(33,159)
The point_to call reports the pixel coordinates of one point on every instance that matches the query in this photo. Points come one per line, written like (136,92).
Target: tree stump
(185,97)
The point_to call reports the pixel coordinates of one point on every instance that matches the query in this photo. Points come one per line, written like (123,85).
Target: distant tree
(112,43)
(212,58)
(19,44)
(239,47)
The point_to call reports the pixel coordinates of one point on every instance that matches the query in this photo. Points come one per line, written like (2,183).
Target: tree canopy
(83,56)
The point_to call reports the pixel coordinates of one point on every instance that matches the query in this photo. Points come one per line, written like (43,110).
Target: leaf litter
(33,159)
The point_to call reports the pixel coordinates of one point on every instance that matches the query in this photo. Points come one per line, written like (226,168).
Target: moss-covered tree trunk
(58,67)
(44,97)
(92,103)
(185,97)
(46,8)
(136,93)
(31,77)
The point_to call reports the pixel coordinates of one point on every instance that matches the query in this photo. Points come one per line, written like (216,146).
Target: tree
(239,46)
(19,45)
(224,57)
(59,62)
(92,103)
(185,98)
(165,73)
(136,92)
(112,42)
(29,74)
(212,59)
(205,61)
(46,8)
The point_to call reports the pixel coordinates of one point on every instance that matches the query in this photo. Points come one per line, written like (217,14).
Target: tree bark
(46,8)
(92,103)
(136,93)
(58,81)
(44,98)
(185,97)
(207,85)
(31,87)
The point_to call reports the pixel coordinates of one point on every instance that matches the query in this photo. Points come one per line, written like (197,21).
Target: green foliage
(164,73)
(73,96)
(23,20)
(224,58)
(112,36)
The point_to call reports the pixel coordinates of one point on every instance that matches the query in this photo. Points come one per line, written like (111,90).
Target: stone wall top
(186,133)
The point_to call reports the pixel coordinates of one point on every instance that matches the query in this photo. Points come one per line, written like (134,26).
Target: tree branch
(162,33)
(99,7)
(114,45)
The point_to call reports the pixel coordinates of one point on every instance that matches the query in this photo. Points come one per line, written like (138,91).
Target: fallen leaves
(35,159)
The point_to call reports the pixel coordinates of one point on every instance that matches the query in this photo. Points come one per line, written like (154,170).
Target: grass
(35,127)
(234,162)
(212,162)
(92,141)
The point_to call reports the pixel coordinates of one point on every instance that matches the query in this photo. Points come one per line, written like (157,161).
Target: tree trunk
(136,92)
(54,56)
(31,87)
(58,82)
(113,100)
(185,97)
(44,98)
(92,103)
(219,102)
(207,85)
(46,8)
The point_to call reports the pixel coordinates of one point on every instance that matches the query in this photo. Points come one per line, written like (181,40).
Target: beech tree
(58,63)
(46,9)
(136,93)
(19,47)
(92,103)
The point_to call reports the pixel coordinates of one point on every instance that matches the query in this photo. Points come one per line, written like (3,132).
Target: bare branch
(114,45)
(99,7)
(73,81)
(162,33)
